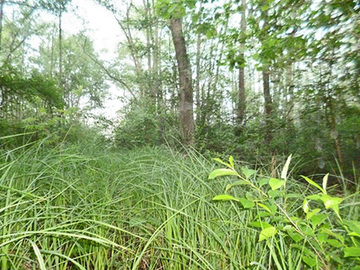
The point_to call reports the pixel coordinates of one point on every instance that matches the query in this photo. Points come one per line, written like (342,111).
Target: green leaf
(331,233)
(275,193)
(318,219)
(38,256)
(325,181)
(309,261)
(231,161)
(267,233)
(332,203)
(352,252)
(246,203)
(221,172)
(264,207)
(258,224)
(263,181)
(314,197)
(237,183)
(354,234)
(247,172)
(296,236)
(310,214)
(225,197)
(293,195)
(311,182)
(276,183)
(306,206)
(286,168)
(334,243)
(222,162)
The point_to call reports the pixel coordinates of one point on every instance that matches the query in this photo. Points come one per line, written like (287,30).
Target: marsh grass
(80,207)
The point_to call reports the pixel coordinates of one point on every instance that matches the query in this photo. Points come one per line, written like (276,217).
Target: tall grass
(80,207)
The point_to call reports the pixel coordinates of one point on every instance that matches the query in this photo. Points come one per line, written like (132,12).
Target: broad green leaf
(352,252)
(231,161)
(222,162)
(263,181)
(267,233)
(276,183)
(311,182)
(307,230)
(324,183)
(237,183)
(275,193)
(264,214)
(225,197)
(247,172)
(332,203)
(265,207)
(334,243)
(310,214)
(354,234)
(258,224)
(246,203)
(221,172)
(309,261)
(322,237)
(318,219)
(286,168)
(314,197)
(296,236)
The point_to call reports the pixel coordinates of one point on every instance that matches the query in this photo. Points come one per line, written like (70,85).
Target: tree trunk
(186,89)
(1,20)
(241,94)
(267,105)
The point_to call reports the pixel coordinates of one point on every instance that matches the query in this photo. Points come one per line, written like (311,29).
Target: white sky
(103,29)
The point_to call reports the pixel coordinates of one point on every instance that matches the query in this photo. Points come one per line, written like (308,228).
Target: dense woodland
(256,79)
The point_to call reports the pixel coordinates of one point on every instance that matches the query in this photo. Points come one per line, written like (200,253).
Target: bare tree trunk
(186,89)
(1,20)
(61,81)
(266,83)
(241,105)
(267,105)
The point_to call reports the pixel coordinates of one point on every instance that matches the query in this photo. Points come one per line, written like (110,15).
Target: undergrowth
(81,207)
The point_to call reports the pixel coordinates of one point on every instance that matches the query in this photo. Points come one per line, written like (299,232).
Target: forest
(184,134)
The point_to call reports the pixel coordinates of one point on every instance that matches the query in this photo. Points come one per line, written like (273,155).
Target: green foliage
(325,240)
(29,88)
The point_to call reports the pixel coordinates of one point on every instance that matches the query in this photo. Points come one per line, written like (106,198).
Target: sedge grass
(149,208)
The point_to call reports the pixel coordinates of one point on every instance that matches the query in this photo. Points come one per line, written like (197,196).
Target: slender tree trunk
(2,91)
(61,81)
(266,82)
(267,105)
(1,20)
(186,89)
(241,95)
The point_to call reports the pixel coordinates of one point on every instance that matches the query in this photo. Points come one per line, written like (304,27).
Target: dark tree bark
(267,105)
(186,89)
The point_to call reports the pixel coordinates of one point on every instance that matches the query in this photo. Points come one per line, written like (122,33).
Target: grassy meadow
(82,207)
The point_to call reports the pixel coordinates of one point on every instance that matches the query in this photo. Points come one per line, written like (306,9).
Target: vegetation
(275,84)
(149,208)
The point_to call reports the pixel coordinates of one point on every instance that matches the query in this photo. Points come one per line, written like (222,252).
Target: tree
(185,81)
